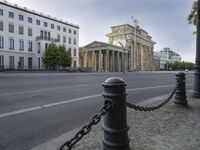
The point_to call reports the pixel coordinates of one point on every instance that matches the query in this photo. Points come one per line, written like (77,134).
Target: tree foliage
(192,17)
(56,57)
(179,65)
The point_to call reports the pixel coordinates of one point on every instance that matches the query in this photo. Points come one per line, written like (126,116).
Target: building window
(38,22)
(1,12)
(1,42)
(10,14)
(70,31)
(11,44)
(74,32)
(1,61)
(58,37)
(52,26)
(74,63)
(11,28)
(30,46)
(64,39)
(38,48)
(21,45)
(58,28)
(69,40)
(70,51)
(64,29)
(45,24)
(74,52)
(21,63)
(41,34)
(30,32)
(21,18)
(11,62)
(49,36)
(29,20)
(30,62)
(45,35)
(46,45)
(74,41)
(21,30)
(1,26)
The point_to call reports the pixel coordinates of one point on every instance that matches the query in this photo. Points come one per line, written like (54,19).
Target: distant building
(156,62)
(25,34)
(137,42)
(102,57)
(168,56)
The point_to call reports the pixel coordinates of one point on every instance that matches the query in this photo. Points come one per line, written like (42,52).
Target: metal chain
(87,128)
(151,108)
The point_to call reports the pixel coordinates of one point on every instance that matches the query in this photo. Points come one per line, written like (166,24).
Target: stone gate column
(100,61)
(93,55)
(107,61)
(113,61)
(131,56)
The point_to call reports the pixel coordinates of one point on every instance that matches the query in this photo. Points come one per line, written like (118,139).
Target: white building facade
(25,34)
(167,56)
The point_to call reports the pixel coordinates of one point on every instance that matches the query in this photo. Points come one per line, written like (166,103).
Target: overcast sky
(164,20)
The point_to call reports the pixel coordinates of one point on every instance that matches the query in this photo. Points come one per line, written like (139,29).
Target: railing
(115,128)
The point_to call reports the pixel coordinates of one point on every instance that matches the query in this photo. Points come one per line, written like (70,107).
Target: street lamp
(135,23)
(196,88)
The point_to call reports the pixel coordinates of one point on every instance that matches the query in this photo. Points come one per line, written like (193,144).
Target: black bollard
(115,136)
(180,94)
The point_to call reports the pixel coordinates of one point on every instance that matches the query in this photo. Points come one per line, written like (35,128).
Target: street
(37,107)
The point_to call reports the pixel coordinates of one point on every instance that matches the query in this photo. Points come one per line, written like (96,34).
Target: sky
(164,20)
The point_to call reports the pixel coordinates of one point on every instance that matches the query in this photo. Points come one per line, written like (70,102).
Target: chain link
(151,108)
(87,128)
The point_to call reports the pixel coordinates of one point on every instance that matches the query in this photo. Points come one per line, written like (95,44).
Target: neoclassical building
(137,43)
(103,57)
(26,33)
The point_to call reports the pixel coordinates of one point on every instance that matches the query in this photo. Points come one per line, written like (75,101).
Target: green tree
(51,57)
(56,57)
(64,57)
(192,17)
(180,65)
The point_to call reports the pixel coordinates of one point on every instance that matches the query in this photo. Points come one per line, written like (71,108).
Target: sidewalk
(170,128)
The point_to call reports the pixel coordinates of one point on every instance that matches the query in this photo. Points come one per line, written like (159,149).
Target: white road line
(19,111)
(72,100)
(146,88)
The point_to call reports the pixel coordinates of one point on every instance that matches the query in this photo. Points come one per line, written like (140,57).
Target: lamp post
(196,87)
(135,23)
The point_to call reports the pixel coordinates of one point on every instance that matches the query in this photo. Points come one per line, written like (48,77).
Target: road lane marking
(20,111)
(42,90)
(73,100)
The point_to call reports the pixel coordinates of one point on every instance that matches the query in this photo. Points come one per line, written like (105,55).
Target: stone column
(107,61)
(142,57)
(100,61)
(138,57)
(152,58)
(132,57)
(113,61)
(93,55)
(118,62)
(135,56)
(85,64)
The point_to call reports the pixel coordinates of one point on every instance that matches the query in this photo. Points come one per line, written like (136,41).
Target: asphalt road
(36,107)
